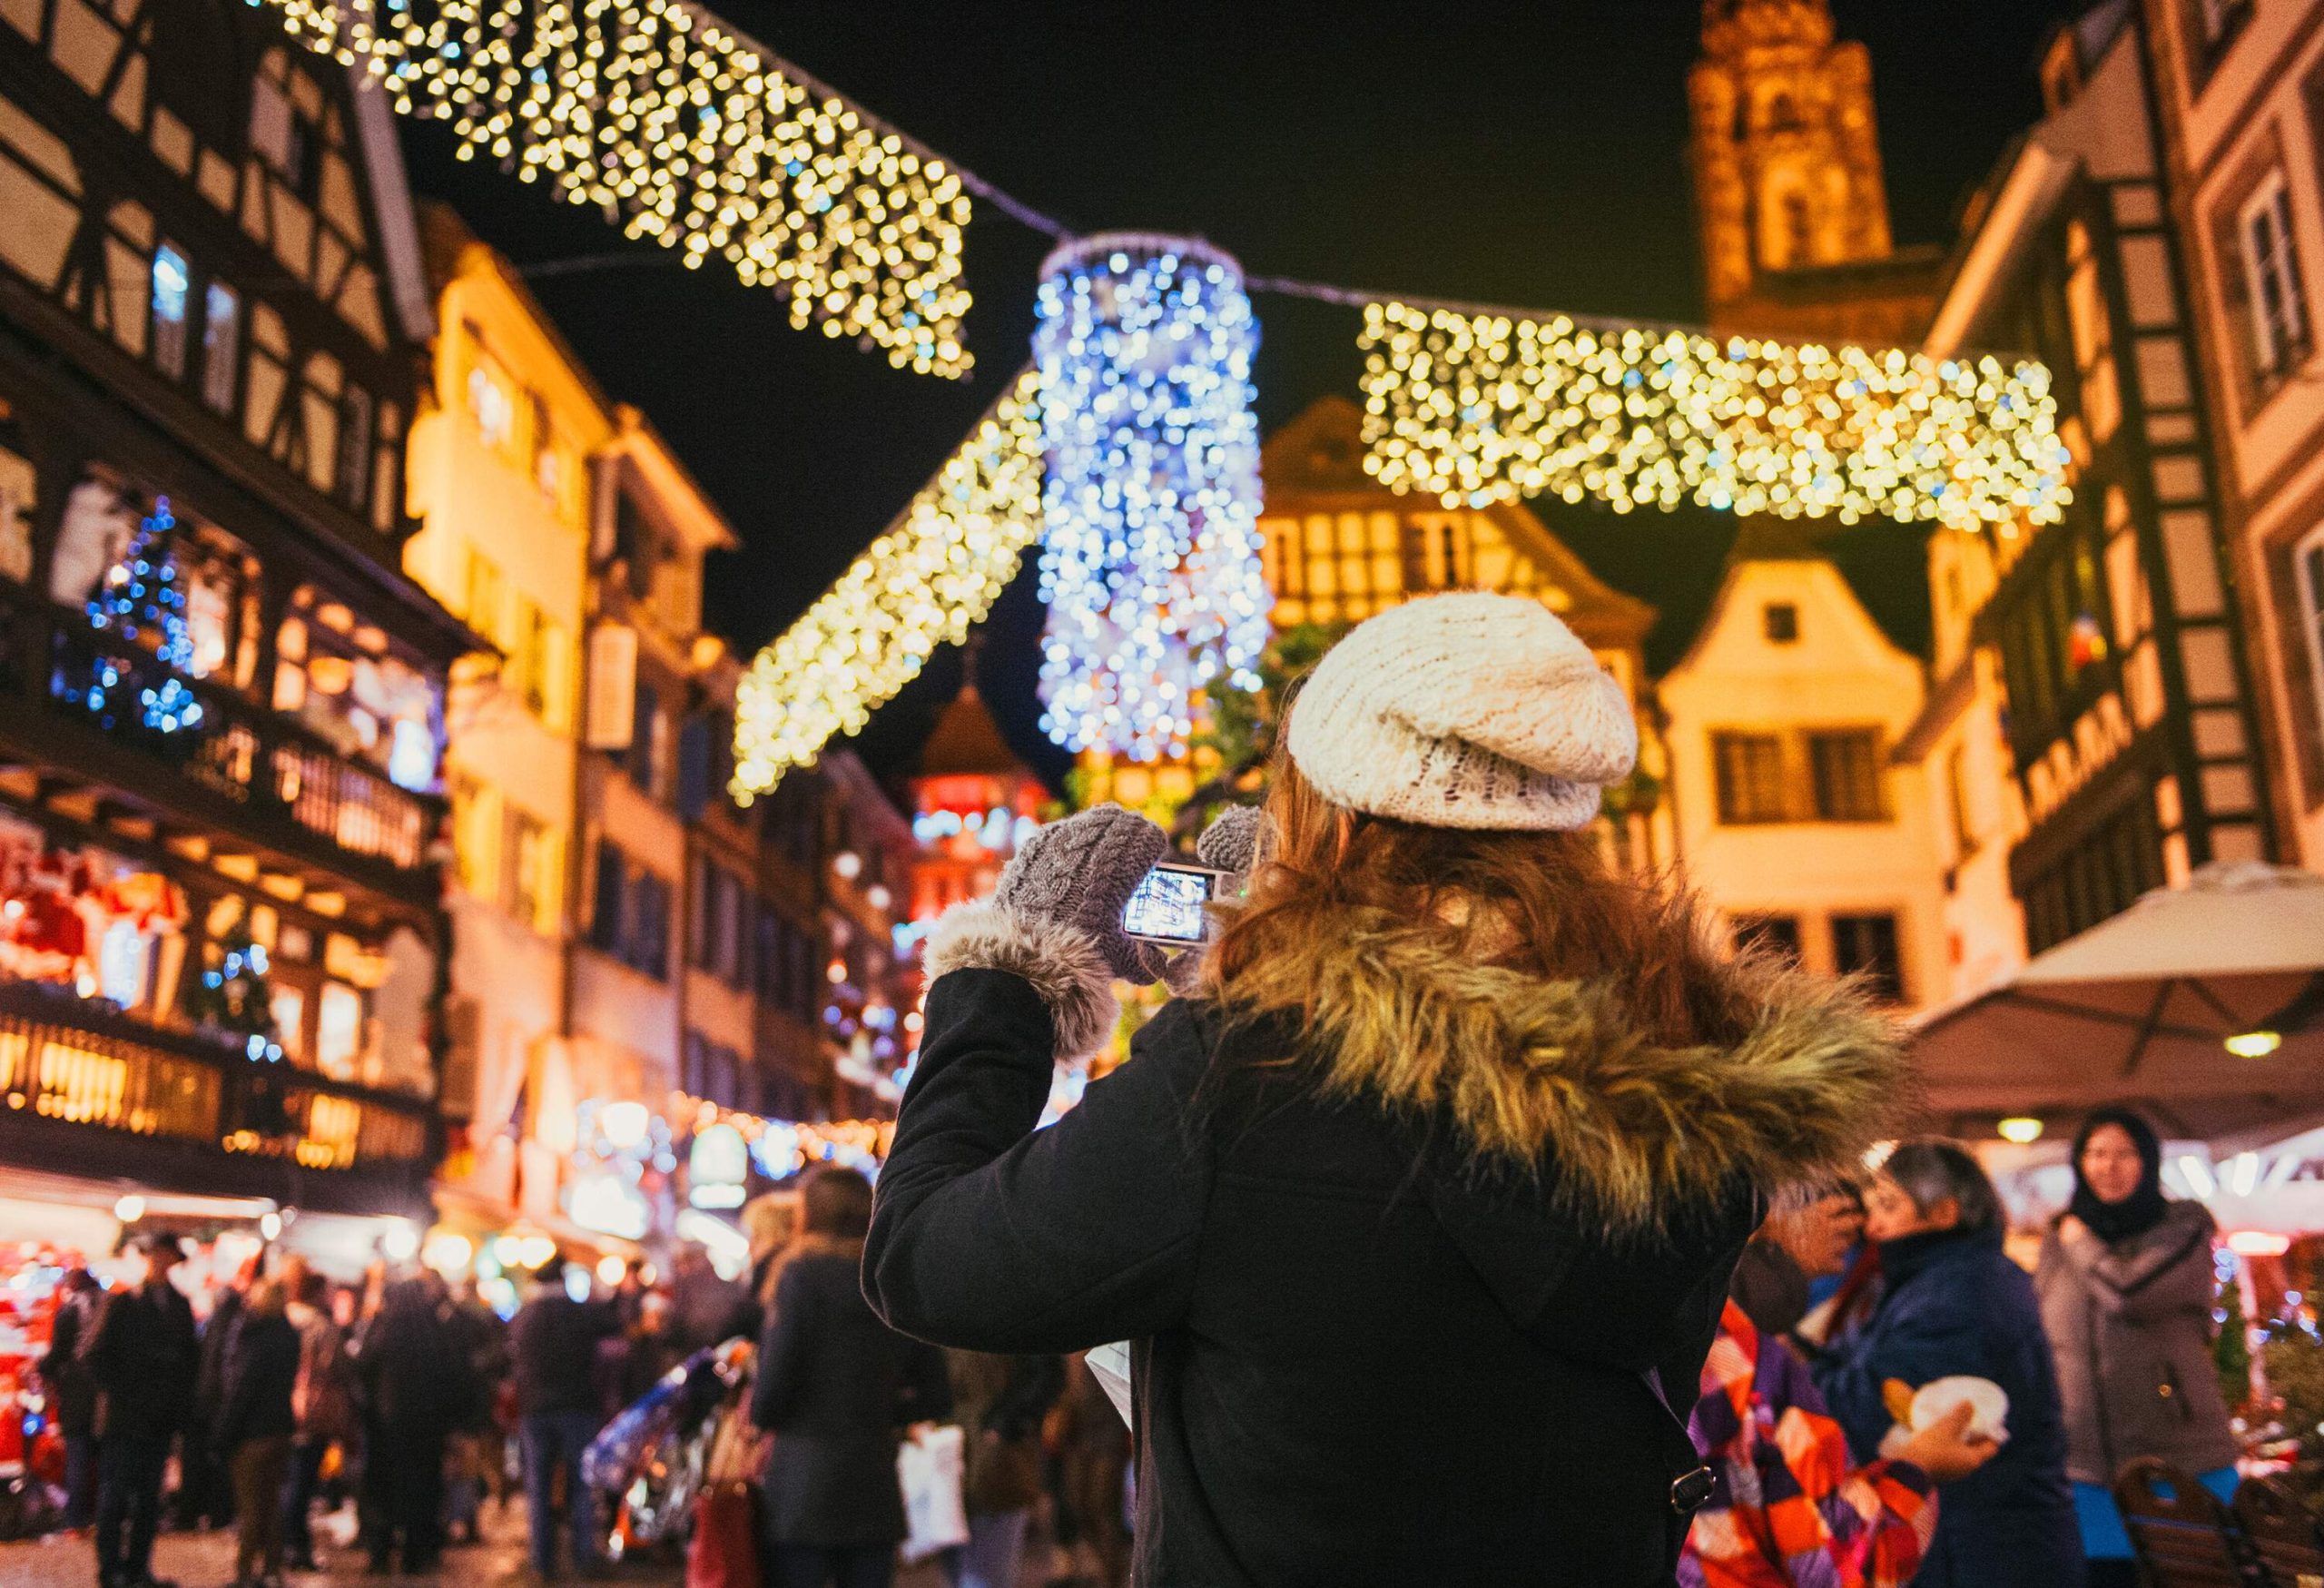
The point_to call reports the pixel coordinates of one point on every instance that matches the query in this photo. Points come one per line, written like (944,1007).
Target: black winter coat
(835,1385)
(72,1391)
(415,1378)
(261,1373)
(553,1351)
(143,1355)
(1359,1356)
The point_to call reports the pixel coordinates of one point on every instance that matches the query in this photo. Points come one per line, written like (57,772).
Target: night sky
(1526,154)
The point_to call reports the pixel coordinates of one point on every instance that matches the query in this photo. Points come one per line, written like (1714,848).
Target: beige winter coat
(2132,1327)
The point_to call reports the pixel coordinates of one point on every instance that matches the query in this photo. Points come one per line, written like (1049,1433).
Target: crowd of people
(408,1396)
(1420,1205)
(1478,1218)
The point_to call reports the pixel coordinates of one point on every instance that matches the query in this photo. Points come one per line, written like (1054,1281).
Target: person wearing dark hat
(73,1395)
(2127,1287)
(554,1347)
(1419,1211)
(142,1358)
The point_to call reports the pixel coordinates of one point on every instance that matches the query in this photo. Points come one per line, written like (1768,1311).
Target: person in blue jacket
(1954,1304)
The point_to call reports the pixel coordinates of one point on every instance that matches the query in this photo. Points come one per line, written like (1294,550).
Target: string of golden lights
(935,572)
(1474,408)
(696,137)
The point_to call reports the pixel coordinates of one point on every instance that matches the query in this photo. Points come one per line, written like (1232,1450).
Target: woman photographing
(1421,1211)
(2127,1287)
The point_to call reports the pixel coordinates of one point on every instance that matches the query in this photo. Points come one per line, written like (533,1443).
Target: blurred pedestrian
(205,1491)
(257,1419)
(477,1448)
(553,1351)
(1001,1403)
(649,1350)
(706,1309)
(2127,1288)
(416,1389)
(1793,1509)
(1092,1478)
(73,1394)
(769,1223)
(836,1387)
(1421,1209)
(142,1356)
(1955,1305)
(323,1403)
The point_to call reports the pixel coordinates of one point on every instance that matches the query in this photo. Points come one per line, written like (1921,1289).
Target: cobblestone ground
(206,1560)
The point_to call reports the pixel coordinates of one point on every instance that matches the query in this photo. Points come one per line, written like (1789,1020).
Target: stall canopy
(2199,1005)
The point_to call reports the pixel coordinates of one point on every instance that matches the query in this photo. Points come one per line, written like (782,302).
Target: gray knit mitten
(1231,844)
(1080,872)
(1056,920)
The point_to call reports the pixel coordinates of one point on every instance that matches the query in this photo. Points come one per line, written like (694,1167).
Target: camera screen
(1168,905)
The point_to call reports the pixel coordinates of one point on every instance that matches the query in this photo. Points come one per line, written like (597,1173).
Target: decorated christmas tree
(2231,1351)
(142,601)
(235,997)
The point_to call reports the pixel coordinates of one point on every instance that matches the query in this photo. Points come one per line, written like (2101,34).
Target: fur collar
(1534,1073)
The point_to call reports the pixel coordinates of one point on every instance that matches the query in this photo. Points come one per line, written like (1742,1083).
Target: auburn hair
(1547,904)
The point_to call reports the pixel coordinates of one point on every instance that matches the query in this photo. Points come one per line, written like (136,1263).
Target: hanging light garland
(698,138)
(1150,549)
(1476,408)
(936,571)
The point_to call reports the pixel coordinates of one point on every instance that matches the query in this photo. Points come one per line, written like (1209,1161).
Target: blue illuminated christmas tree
(142,601)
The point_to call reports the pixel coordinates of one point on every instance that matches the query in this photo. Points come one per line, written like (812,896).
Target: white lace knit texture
(1464,710)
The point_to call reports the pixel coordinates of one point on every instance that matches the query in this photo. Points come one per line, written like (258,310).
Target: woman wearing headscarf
(2127,1289)
(1418,1214)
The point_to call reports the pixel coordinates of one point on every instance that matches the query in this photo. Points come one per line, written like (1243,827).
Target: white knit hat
(1466,710)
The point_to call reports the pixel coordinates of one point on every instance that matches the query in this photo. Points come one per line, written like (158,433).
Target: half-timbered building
(2103,650)
(221,702)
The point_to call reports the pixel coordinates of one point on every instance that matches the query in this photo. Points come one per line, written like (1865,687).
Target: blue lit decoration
(142,601)
(1150,546)
(235,997)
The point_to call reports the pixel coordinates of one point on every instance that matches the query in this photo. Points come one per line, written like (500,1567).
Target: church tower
(1788,194)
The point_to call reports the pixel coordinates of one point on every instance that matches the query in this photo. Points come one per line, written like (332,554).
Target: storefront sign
(717,1168)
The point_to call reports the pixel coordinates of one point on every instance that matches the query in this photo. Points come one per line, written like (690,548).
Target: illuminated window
(338,1031)
(1778,935)
(19,495)
(485,603)
(1749,768)
(476,838)
(172,283)
(1846,768)
(2280,334)
(222,326)
(2309,556)
(534,897)
(491,403)
(1866,945)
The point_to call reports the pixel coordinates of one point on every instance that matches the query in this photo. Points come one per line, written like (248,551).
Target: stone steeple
(1787,162)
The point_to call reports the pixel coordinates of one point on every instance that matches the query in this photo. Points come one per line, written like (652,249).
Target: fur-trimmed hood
(1532,1073)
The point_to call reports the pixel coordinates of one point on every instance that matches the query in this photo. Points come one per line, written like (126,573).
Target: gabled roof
(1320,453)
(966,741)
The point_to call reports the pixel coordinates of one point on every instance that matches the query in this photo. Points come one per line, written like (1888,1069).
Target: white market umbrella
(2199,1006)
